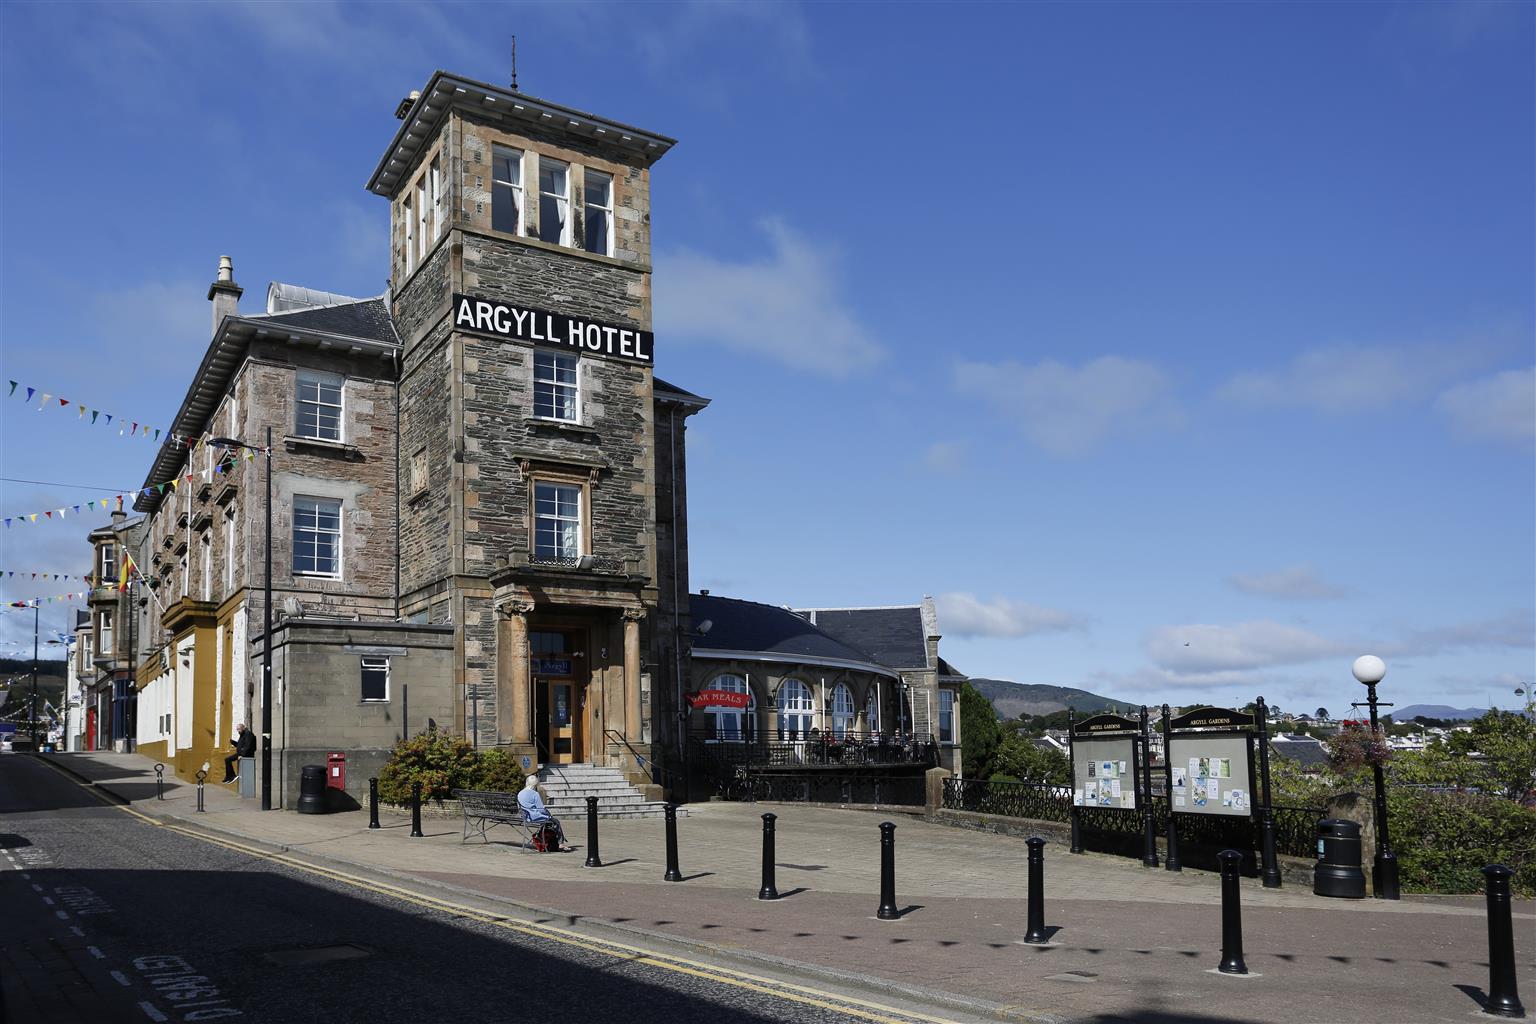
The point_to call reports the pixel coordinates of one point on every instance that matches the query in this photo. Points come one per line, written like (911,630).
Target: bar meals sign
(523,323)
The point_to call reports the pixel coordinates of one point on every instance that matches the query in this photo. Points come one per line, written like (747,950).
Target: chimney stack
(224,293)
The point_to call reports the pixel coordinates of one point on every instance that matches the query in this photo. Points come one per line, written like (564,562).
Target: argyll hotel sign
(521,323)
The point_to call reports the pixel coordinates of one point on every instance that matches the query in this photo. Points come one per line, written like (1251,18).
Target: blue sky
(1182,352)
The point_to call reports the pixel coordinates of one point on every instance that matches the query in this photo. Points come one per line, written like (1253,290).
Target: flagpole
(36,611)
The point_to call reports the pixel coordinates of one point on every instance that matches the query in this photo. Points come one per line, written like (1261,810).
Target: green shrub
(440,762)
(498,772)
(1443,840)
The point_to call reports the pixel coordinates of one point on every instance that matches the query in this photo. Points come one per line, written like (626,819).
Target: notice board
(1212,773)
(1104,772)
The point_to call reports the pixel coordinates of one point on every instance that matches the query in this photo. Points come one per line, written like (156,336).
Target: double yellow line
(852,1007)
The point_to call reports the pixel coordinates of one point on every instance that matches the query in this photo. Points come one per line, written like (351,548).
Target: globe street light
(1370,670)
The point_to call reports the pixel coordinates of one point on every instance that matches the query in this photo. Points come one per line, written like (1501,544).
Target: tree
(979,732)
(1022,760)
(1322,714)
(1507,742)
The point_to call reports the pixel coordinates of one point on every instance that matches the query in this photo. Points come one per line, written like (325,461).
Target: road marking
(120,978)
(98,954)
(803,994)
(77,930)
(48,900)
(154,1014)
(61,915)
(36,887)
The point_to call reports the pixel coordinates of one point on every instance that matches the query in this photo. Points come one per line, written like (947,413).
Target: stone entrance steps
(567,786)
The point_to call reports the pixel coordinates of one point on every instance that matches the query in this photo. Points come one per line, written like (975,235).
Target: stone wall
(318,704)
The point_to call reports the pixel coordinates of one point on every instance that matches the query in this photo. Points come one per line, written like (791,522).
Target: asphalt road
(105,917)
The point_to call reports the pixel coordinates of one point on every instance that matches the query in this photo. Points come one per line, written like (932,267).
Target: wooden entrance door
(559,696)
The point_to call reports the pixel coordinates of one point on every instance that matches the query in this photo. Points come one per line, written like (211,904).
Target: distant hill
(1412,711)
(1012,699)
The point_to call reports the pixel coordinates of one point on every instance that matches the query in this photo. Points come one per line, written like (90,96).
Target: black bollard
(888,911)
(769,891)
(415,810)
(1231,915)
(201,776)
(593,860)
(159,782)
(373,803)
(1036,930)
(1503,997)
(1076,830)
(673,873)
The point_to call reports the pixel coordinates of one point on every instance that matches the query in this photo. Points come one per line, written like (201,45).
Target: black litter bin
(1338,871)
(312,791)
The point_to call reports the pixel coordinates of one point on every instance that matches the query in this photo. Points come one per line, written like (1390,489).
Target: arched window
(843,710)
(797,710)
(872,709)
(732,723)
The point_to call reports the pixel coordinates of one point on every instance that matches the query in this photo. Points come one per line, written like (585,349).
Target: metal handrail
(652,767)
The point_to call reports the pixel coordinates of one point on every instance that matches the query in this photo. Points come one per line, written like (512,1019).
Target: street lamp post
(266,632)
(32,714)
(1370,670)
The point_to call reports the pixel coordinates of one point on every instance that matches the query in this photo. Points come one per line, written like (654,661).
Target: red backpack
(546,839)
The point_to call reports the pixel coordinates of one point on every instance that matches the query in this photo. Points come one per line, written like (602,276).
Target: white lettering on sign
(507,320)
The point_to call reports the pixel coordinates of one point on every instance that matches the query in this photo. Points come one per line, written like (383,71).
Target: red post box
(336,770)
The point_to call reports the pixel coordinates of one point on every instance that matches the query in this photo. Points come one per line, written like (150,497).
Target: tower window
(554,202)
(599,212)
(423,220)
(554,386)
(557,521)
(439,200)
(507,191)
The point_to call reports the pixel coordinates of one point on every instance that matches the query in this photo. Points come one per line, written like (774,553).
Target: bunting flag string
(33,602)
(230,461)
(50,576)
(125,427)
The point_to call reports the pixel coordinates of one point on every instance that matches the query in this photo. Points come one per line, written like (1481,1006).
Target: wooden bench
(483,811)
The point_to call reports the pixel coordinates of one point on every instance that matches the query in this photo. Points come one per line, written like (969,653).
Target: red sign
(719,699)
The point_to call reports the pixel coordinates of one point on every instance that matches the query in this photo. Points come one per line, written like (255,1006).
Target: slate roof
(894,636)
(365,318)
(765,629)
(1303,750)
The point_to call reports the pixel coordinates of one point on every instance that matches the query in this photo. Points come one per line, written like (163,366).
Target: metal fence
(787,750)
(1295,827)
(1039,801)
(906,790)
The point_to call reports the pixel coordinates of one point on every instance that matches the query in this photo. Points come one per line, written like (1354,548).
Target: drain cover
(315,955)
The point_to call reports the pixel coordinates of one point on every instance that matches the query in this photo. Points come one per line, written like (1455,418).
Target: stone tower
(542,499)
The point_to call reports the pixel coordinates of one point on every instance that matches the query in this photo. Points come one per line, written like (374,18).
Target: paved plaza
(1128,943)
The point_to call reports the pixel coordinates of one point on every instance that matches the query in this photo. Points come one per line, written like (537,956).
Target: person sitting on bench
(245,746)
(535,813)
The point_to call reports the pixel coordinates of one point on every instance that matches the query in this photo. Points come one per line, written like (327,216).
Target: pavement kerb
(866,984)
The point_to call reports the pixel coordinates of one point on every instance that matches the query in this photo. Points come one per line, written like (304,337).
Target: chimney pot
(224,294)
(226,269)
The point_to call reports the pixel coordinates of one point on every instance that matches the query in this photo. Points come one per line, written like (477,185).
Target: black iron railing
(1296,830)
(653,768)
(1040,801)
(786,750)
(594,563)
(834,789)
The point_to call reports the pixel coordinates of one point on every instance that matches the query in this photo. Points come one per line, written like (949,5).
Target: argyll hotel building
(478,480)
(479,495)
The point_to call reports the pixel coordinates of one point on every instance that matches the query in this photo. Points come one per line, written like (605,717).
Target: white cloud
(947,458)
(1499,407)
(1350,379)
(1514,629)
(787,307)
(1298,582)
(963,614)
(1070,410)
(1201,649)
